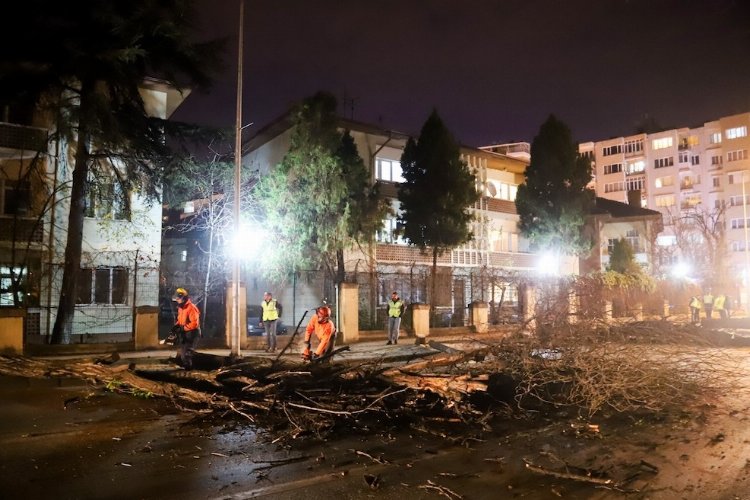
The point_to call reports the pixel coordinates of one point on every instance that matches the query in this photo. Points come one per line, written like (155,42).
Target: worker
(708,303)
(271,312)
(324,330)
(396,308)
(187,327)
(695,310)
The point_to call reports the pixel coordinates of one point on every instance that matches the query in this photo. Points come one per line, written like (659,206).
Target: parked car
(255,329)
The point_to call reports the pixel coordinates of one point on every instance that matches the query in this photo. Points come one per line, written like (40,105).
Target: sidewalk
(366,349)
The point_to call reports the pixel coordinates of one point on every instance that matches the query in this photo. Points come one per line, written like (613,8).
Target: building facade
(489,268)
(121,248)
(686,174)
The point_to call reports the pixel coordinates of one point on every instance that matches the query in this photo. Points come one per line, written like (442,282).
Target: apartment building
(120,248)
(679,171)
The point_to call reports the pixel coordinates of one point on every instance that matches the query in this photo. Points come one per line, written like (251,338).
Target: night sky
(494,69)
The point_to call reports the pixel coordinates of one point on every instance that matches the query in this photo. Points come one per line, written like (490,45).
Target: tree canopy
(438,192)
(553,200)
(85,63)
(319,200)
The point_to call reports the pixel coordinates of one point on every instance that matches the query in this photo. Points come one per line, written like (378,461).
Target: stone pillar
(146,335)
(243,315)
(420,314)
(348,313)
(608,311)
(573,308)
(11,330)
(638,312)
(479,314)
(529,307)
(666,309)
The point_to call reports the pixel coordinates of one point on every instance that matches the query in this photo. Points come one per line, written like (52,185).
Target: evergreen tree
(87,60)
(334,205)
(437,194)
(622,258)
(553,200)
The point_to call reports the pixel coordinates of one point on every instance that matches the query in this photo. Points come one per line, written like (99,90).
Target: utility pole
(235,320)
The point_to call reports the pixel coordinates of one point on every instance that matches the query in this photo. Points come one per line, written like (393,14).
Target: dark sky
(494,69)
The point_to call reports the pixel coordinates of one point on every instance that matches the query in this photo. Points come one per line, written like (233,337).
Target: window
(736,177)
(716,160)
(633,146)
(613,168)
(736,200)
(16,197)
(183,256)
(738,246)
(103,285)
(612,150)
(663,181)
(691,200)
(740,154)
(736,132)
(106,200)
(683,157)
(635,167)
(695,160)
(716,180)
(664,142)
(612,187)
(715,138)
(7,289)
(501,190)
(634,239)
(739,223)
(666,200)
(664,162)
(635,183)
(389,170)
(390,232)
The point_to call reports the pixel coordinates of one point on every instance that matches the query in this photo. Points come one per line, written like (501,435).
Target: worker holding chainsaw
(324,330)
(187,327)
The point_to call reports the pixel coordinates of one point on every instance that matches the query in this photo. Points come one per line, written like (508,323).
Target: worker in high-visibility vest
(271,312)
(396,309)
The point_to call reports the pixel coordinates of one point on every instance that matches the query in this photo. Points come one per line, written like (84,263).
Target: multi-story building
(701,170)
(120,248)
(486,269)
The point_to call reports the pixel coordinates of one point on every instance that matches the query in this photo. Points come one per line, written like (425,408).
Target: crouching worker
(325,331)
(187,327)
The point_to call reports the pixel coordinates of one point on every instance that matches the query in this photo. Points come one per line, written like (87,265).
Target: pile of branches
(590,371)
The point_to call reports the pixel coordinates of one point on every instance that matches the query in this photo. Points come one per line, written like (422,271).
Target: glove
(176,330)
(315,357)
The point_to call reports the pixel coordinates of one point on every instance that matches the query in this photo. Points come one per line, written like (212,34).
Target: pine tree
(553,200)
(437,194)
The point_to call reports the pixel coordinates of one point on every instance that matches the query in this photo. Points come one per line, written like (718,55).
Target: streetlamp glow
(681,270)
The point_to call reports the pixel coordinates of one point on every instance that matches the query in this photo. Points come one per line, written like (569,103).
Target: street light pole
(235,321)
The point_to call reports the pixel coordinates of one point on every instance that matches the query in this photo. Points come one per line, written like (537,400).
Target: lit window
(716,138)
(664,181)
(736,132)
(666,200)
(183,256)
(664,142)
(636,166)
(389,170)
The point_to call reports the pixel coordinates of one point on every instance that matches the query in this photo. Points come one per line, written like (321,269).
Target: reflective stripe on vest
(269,310)
(394,308)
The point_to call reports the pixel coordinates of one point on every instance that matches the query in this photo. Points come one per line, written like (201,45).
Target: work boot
(388,343)
(395,341)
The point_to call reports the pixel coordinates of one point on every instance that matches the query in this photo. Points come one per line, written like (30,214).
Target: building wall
(687,168)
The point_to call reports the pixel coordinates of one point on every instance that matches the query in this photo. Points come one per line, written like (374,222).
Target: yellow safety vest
(270,312)
(394,308)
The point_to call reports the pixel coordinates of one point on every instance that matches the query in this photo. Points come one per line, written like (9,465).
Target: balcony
(686,185)
(18,141)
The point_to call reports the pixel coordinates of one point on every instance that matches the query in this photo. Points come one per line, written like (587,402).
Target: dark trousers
(188,344)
